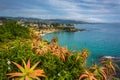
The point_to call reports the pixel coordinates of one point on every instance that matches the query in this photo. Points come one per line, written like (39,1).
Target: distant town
(44,26)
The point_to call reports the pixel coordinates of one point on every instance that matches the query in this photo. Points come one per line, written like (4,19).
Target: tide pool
(99,39)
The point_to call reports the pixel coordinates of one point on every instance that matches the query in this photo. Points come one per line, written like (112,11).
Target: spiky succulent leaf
(19,66)
(27,72)
(15,74)
(28,64)
(34,66)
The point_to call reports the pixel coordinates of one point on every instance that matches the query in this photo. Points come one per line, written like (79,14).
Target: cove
(99,39)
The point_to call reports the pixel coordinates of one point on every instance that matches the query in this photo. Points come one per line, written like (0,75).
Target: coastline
(46,31)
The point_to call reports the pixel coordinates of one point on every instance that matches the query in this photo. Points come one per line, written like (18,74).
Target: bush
(11,31)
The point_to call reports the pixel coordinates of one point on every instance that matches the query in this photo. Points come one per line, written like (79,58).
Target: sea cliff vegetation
(24,55)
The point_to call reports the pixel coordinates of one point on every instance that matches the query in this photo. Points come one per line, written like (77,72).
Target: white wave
(110,57)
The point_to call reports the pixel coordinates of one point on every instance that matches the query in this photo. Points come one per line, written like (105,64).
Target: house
(33,25)
(1,23)
(44,25)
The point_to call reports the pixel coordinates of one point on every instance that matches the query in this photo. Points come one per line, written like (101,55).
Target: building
(33,25)
(1,23)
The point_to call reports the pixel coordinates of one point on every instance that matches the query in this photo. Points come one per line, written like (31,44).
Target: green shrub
(14,51)
(11,30)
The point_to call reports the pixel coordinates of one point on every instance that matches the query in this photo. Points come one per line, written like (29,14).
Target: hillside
(47,20)
(25,55)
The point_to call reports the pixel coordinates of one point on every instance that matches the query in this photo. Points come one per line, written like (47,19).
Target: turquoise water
(99,39)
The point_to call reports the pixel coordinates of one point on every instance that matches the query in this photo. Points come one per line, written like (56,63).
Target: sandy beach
(46,31)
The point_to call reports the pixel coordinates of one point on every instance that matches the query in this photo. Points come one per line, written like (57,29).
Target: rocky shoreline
(42,32)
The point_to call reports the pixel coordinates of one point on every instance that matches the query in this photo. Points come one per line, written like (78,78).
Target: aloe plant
(110,65)
(87,75)
(99,71)
(27,73)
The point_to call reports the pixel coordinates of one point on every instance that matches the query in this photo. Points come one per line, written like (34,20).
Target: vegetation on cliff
(49,60)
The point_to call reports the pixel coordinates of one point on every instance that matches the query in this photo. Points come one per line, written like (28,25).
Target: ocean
(100,39)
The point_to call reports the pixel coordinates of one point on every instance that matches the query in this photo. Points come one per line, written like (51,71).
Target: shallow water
(100,39)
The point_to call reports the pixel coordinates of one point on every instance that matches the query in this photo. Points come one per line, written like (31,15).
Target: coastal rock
(72,29)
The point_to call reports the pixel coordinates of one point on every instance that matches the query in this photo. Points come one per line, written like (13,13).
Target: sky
(84,10)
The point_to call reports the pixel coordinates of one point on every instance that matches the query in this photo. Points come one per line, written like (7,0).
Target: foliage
(70,25)
(14,51)
(27,72)
(10,30)
(87,75)
(58,63)
(54,40)
(98,71)
(110,66)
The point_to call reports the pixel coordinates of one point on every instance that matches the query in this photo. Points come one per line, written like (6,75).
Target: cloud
(93,10)
(95,20)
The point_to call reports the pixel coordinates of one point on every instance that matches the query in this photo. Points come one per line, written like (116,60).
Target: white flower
(8,62)
(8,68)
(58,74)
